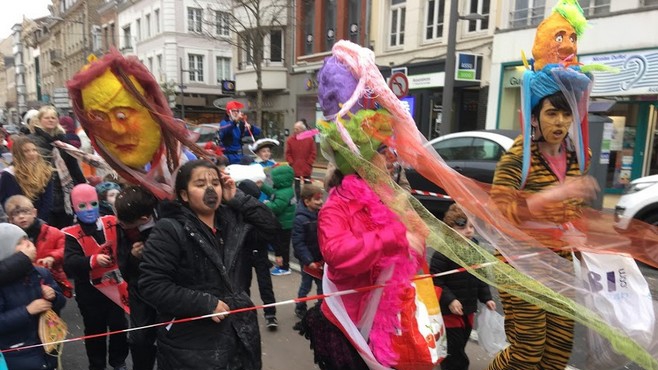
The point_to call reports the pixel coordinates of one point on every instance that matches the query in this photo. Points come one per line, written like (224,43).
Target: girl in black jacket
(192,263)
(459,294)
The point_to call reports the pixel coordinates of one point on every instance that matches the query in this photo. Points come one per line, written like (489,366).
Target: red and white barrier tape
(275,304)
(431,194)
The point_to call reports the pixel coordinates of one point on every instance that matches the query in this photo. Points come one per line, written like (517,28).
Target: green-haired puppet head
(367,128)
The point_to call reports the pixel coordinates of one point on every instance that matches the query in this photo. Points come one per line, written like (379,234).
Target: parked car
(474,154)
(206,131)
(639,201)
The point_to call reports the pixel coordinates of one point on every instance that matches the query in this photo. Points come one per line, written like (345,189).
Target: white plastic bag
(491,330)
(618,291)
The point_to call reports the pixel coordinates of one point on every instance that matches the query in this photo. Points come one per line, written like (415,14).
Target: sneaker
(271,323)
(121,367)
(278,271)
(300,311)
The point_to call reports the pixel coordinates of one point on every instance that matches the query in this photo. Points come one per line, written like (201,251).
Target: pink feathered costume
(364,243)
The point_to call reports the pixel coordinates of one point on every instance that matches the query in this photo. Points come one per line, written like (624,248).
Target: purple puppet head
(335,85)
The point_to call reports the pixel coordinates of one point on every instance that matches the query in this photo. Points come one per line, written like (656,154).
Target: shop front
(633,132)
(424,100)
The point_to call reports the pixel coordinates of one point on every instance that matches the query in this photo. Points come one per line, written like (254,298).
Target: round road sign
(399,84)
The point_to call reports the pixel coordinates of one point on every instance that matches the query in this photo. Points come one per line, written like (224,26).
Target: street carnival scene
(329,184)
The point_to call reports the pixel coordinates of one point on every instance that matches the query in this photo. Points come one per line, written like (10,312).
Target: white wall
(174,41)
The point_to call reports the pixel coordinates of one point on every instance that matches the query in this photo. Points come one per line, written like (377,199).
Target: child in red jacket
(48,240)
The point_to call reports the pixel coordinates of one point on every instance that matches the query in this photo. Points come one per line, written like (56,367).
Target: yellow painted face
(128,131)
(555,40)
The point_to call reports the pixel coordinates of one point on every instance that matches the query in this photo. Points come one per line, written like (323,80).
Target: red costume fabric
(50,243)
(106,279)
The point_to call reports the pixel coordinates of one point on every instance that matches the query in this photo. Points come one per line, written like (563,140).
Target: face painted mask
(210,197)
(85,203)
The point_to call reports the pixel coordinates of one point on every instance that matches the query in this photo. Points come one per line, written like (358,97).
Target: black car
(473,154)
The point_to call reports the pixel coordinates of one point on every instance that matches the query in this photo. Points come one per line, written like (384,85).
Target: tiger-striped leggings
(539,340)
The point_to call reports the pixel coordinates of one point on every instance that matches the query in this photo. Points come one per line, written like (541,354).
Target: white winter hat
(239,172)
(10,235)
(32,113)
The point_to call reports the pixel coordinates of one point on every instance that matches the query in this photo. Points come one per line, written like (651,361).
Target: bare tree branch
(250,22)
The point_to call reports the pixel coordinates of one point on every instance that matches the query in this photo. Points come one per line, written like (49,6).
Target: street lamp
(449,80)
(182,88)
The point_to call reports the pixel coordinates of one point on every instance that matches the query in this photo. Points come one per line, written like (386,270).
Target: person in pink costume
(366,244)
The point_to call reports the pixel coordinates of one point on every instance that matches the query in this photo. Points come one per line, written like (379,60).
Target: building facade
(412,36)
(632,137)
(8,83)
(318,25)
(264,33)
(179,42)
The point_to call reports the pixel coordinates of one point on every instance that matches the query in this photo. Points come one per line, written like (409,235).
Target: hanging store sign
(468,67)
(638,73)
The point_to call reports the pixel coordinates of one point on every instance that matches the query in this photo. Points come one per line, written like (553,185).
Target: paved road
(284,349)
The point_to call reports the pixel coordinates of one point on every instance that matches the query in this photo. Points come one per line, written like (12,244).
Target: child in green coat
(283,203)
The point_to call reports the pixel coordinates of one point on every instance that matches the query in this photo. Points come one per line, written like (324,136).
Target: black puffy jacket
(186,269)
(462,286)
(305,236)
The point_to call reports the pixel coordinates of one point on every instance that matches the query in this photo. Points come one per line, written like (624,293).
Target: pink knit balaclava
(85,203)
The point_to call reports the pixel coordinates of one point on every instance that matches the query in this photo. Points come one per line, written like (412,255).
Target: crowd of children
(103,251)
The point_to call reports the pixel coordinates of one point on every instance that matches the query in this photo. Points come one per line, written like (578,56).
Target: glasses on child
(20,212)
(461,222)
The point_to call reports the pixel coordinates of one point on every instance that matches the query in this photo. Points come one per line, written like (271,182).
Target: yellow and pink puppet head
(127,117)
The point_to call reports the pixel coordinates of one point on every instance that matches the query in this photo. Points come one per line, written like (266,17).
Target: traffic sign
(60,98)
(399,84)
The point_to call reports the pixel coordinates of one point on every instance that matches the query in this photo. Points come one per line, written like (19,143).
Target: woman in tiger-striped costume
(539,184)
(553,195)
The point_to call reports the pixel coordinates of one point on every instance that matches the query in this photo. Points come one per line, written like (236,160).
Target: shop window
(434,15)
(622,145)
(595,7)
(480,7)
(527,13)
(397,19)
